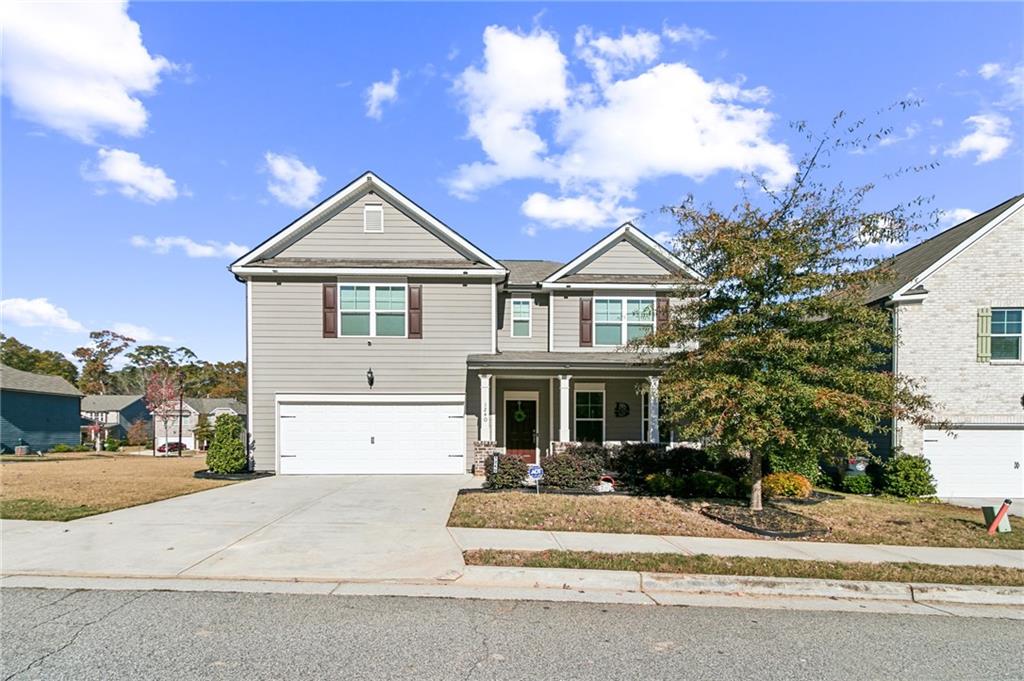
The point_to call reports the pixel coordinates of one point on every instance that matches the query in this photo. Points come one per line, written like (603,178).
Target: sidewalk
(536,540)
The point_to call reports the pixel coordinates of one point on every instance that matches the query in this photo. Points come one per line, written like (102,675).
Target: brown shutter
(586,322)
(415,311)
(330,310)
(662,312)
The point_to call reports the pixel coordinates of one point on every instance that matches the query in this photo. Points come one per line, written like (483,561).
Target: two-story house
(379,340)
(110,416)
(196,412)
(957,301)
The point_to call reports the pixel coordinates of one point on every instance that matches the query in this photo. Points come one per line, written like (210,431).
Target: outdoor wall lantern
(369,377)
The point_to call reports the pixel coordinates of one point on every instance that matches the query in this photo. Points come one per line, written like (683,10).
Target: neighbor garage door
(978,462)
(403,434)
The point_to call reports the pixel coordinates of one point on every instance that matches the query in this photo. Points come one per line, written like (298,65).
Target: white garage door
(979,462)
(392,437)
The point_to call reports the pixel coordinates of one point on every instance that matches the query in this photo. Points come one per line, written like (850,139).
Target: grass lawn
(79,485)
(855,520)
(757,567)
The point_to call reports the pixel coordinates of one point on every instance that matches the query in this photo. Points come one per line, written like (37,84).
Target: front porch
(533,403)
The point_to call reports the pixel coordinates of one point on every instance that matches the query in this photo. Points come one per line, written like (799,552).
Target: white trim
(528,299)
(582,286)
(627,229)
(494,319)
(366,398)
(551,414)
(343,195)
(248,376)
(564,405)
(372,310)
(1019,336)
(523,395)
(964,245)
(551,323)
(372,271)
(373,208)
(590,388)
(623,323)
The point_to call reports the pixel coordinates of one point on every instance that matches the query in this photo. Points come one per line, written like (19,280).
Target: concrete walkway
(536,540)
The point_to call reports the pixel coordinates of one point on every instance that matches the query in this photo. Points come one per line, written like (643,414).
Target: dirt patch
(768,522)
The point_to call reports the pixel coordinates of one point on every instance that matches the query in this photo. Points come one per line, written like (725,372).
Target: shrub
(634,461)
(591,452)
(710,484)
(735,467)
(568,470)
(908,476)
(689,460)
(227,453)
(858,484)
(138,433)
(111,444)
(665,485)
(60,448)
(786,484)
(791,461)
(510,473)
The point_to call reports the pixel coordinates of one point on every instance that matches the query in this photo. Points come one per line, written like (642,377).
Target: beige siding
(623,258)
(342,236)
(566,316)
(938,337)
(290,355)
(538,340)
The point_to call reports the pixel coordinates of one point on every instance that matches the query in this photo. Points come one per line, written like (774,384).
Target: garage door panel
(977,462)
(378,438)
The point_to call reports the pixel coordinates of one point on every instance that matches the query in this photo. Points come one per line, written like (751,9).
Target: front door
(521,428)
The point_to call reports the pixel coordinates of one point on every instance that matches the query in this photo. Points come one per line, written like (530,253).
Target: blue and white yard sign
(535,472)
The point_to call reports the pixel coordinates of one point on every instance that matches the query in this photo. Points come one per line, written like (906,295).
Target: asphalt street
(109,635)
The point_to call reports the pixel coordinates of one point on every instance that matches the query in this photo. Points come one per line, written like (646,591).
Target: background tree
(780,357)
(96,360)
(162,401)
(16,354)
(139,433)
(143,361)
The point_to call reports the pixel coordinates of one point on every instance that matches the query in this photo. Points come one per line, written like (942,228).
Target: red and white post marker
(999,516)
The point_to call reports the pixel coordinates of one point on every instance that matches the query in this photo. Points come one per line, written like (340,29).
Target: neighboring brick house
(193,408)
(114,414)
(379,340)
(37,411)
(957,302)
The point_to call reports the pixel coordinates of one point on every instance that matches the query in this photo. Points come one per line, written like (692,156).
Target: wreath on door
(519,415)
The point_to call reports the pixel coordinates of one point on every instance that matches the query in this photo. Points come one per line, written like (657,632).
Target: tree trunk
(755,480)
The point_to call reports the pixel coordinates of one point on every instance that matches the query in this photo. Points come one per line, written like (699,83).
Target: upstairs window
(372,310)
(1006,333)
(620,320)
(521,311)
(373,217)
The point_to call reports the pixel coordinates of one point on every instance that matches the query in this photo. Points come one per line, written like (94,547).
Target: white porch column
(486,418)
(563,408)
(653,411)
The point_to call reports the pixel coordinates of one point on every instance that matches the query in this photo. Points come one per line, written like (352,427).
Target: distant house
(37,410)
(114,414)
(209,408)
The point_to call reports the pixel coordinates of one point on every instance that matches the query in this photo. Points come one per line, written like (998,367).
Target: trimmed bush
(112,445)
(858,484)
(908,477)
(664,485)
(227,453)
(710,484)
(791,485)
(570,471)
(789,461)
(590,451)
(635,461)
(60,448)
(510,473)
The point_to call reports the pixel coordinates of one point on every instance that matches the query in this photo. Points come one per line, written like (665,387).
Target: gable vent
(373,217)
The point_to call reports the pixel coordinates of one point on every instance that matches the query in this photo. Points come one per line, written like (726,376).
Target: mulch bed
(815,498)
(550,490)
(769,522)
(208,475)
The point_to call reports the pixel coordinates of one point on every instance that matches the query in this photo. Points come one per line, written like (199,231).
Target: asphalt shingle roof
(108,402)
(27,382)
(524,272)
(204,405)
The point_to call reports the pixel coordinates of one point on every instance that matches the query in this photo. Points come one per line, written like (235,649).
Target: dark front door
(521,428)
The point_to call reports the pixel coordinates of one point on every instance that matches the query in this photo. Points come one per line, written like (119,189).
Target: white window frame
(623,323)
(1020,345)
(590,388)
(373,208)
(528,320)
(373,307)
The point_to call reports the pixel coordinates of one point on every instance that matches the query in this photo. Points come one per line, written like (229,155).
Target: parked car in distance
(171,447)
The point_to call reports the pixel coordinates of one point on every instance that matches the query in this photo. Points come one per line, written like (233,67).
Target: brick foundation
(482,451)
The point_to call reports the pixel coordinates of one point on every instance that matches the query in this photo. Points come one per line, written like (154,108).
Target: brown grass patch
(76,486)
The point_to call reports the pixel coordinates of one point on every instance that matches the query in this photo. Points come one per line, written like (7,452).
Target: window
(589,416)
(664,432)
(521,317)
(616,319)
(373,217)
(1006,333)
(372,310)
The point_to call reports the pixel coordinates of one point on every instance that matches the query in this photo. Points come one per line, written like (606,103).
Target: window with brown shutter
(662,312)
(415,311)
(586,322)
(330,310)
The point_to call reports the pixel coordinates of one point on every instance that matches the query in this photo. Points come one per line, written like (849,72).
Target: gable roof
(205,405)
(638,238)
(108,402)
(529,272)
(368,180)
(27,382)
(919,261)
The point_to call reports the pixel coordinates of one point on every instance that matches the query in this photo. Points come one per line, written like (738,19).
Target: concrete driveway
(288,527)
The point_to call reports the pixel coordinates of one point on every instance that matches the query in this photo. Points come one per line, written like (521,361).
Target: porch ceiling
(564,360)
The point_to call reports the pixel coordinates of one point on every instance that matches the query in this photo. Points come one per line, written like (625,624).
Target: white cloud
(909,133)
(381,92)
(666,239)
(598,141)
(293,183)
(37,312)
(162,245)
(141,334)
(990,139)
(686,34)
(131,176)
(954,216)
(989,71)
(78,67)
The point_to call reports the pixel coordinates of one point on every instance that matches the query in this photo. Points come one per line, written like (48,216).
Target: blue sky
(145,145)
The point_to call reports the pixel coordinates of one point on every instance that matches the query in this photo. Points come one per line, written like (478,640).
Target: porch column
(653,412)
(486,418)
(563,408)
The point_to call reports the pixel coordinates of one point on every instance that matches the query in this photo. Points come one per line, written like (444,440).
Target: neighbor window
(373,217)
(589,416)
(620,320)
(521,317)
(1006,333)
(372,310)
